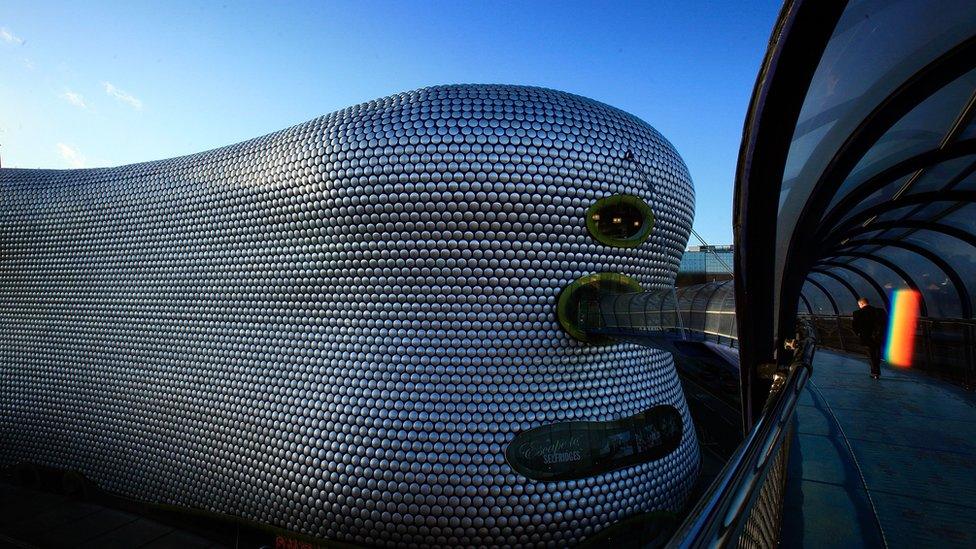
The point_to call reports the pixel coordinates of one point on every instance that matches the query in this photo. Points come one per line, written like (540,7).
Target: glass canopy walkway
(856,178)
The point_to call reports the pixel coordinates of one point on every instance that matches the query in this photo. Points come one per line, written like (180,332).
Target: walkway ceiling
(857,173)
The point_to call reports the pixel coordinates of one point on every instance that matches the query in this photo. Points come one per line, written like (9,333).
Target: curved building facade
(339,328)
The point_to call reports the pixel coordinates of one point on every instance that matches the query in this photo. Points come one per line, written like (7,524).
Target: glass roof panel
(970,131)
(967,184)
(845,300)
(901,213)
(702,297)
(882,195)
(938,176)
(861,286)
(919,131)
(958,254)
(861,249)
(939,293)
(876,46)
(933,211)
(885,277)
(817,299)
(869,234)
(916,212)
(895,234)
(964,218)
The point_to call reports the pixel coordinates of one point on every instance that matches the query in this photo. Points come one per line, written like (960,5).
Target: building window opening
(621,221)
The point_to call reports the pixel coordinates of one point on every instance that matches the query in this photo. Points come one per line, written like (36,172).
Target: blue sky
(109,83)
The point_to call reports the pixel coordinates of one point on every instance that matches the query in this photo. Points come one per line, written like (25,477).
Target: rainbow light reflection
(902,323)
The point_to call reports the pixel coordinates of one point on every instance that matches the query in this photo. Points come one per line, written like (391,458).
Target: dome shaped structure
(339,328)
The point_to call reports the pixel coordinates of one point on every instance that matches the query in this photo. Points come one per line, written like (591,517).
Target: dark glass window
(621,220)
(578,305)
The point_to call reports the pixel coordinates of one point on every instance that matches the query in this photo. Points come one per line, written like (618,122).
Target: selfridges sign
(581,449)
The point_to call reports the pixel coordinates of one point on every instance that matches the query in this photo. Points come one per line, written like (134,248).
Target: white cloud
(71,156)
(122,96)
(10,37)
(75,99)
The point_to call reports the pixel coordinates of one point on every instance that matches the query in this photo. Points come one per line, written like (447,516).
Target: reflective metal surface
(338,328)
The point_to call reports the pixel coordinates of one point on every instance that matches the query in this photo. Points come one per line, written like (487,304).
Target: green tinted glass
(621,221)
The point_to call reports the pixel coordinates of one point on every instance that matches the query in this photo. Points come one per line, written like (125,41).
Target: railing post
(969,340)
(926,330)
(840,332)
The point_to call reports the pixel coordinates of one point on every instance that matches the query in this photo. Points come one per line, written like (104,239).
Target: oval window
(581,449)
(621,221)
(578,305)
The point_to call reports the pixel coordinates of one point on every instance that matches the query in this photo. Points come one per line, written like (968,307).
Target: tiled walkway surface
(895,457)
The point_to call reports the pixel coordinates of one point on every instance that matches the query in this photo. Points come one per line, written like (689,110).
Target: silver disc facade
(338,328)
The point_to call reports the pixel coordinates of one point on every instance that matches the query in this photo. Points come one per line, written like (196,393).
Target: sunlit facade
(338,329)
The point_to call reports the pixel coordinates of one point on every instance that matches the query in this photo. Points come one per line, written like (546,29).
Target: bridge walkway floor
(889,460)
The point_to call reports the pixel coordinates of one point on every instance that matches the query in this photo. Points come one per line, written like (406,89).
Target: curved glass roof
(859,160)
(881,156)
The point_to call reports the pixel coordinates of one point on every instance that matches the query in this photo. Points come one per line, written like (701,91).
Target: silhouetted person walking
(870,324)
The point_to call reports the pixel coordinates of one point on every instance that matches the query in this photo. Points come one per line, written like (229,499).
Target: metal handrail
(721,514)
(945,347)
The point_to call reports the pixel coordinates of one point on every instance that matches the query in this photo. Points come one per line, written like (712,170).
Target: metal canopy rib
(865,276)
